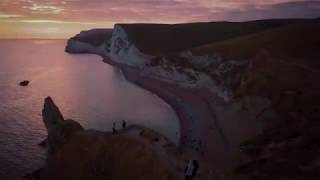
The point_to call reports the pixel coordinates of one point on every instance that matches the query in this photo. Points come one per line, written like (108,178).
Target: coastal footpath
(247,94)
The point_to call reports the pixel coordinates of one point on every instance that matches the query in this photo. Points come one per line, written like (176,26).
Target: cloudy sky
(61,18)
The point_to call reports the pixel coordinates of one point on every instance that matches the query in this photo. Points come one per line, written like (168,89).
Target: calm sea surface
(84,88)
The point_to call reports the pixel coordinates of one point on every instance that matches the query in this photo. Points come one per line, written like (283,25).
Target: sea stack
(59,130)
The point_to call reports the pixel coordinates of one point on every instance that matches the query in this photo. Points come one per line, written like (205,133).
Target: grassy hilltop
(160,39)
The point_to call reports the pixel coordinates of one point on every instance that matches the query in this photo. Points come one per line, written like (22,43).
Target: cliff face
(124,48)
(265,71)
(125,52)
(261,64)
(165,52)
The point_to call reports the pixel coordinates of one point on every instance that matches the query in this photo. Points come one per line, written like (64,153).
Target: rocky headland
(75,153)
(247,93)
(88,41)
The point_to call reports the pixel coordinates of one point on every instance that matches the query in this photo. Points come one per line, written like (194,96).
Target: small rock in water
(24,83)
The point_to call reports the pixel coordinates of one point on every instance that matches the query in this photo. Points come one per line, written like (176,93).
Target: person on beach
(124,124)
(191,170)
(114,131)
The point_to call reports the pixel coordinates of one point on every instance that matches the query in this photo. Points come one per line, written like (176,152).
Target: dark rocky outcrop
(75,153)
(59,130)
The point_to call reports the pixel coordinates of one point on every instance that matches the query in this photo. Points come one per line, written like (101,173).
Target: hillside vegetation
(294,40)
(160,39)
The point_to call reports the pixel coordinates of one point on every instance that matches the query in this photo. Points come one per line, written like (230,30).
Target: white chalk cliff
(121,50)
(124,52)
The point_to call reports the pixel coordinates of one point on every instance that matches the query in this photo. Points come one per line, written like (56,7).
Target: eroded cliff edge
(76,153)
(247,94)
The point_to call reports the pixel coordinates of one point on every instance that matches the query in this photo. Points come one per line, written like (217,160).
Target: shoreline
(212,131)
(201,133)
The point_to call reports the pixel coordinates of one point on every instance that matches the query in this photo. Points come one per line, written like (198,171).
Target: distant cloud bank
(70,16)
(170,11)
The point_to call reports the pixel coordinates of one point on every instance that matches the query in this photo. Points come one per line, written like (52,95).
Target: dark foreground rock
(24,83)
(75,153)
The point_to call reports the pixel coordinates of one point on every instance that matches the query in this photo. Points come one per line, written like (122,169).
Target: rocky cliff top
(94,37)
(75,153)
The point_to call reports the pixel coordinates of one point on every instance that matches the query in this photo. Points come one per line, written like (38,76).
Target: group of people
(123,124)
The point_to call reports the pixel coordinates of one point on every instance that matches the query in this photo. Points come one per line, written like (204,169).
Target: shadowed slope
(159,39)
(283,66)
(296,40)
(94,155)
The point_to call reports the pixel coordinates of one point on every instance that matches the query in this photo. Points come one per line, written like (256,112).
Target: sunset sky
(63,18)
